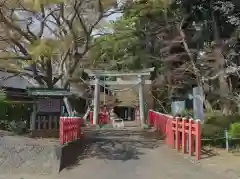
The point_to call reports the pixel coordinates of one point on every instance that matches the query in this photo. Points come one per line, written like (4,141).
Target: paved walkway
(129,155)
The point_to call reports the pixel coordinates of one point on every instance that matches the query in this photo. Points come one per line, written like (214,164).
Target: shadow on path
(208,153)
(122,145)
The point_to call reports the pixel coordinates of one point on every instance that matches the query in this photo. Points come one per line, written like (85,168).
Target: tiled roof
(13,81)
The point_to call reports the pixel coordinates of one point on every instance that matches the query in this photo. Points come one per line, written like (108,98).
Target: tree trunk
(224,88)
(68,106)
(219,66)
(65,85)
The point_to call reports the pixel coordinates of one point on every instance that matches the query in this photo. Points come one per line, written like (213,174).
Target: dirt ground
(222,162)
(130,155)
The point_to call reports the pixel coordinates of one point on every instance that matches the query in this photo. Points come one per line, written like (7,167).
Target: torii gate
(97,82)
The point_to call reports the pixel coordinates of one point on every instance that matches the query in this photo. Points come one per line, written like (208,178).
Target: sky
(113,17)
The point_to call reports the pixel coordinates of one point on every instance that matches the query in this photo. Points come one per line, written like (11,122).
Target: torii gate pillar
(141,100)
(96,101)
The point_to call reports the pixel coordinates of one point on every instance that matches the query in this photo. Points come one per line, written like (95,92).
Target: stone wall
(26,155)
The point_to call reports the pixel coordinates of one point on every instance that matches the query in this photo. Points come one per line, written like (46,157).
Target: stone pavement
(127,155)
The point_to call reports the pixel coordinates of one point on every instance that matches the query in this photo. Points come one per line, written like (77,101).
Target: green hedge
(234,131)
(14,116)
(214,126)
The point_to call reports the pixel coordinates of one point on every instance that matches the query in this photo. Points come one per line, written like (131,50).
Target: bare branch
(14,27)
(29,30)
(43,19)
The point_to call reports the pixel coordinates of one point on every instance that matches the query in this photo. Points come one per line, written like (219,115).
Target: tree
(216,24)
(125,48)
(53,36)
(173,37)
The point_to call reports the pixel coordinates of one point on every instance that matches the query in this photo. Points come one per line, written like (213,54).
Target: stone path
(128,155)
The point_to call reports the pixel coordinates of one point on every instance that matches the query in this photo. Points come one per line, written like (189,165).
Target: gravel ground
(19,154)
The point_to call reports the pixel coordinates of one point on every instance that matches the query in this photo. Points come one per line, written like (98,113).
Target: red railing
(159,121)
(179,133)
(70,129)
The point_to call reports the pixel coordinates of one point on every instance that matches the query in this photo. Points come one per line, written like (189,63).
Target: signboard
(178,107)
(48,105)
(198,98)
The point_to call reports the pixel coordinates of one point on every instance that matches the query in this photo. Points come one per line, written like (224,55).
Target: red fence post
(198,140)
(171,134)
(66,124)
(75,126)
(61,133)
(78,124)
(79,132)
(71,128)
(177,134)
(166,137)
(164,126)
(190,137)
(183,135)
(157,119)
(64,130)
(159,123)
(149,117)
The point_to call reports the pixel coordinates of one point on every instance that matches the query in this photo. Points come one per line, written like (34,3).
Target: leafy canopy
(126,46)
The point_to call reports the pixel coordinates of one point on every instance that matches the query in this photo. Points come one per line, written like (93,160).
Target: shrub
(221,120)
(211,131)
(214,126)
(215,123)
(234,131)
(18,127)
(14,117)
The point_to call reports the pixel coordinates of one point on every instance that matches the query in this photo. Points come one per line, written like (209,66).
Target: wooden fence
(45,125)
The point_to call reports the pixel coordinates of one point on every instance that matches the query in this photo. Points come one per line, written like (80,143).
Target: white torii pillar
(141,100)
(96,100)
